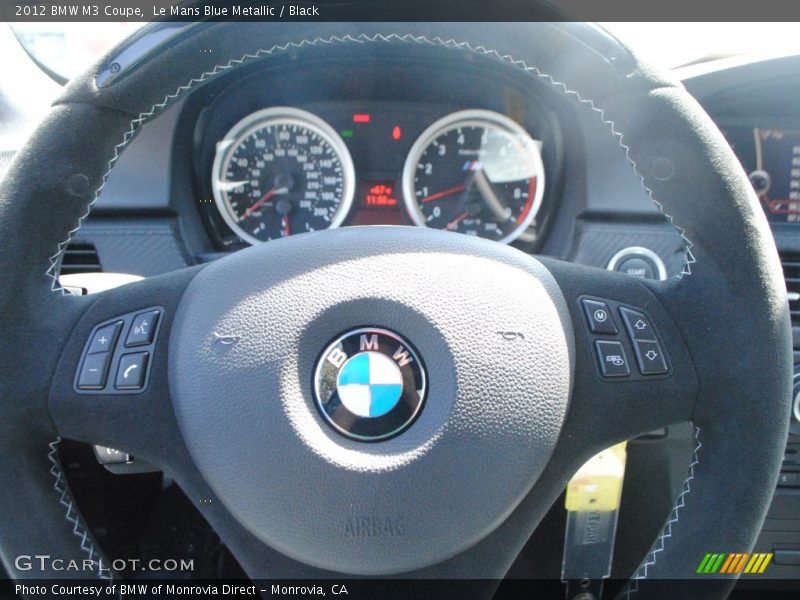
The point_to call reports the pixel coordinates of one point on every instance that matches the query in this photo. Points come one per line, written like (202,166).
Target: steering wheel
(518,392)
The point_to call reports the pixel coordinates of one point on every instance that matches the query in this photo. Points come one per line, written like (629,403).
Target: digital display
(776,177)
(378,195)
(379,137)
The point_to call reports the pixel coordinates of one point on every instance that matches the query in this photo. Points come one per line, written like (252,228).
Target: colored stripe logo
(734,562)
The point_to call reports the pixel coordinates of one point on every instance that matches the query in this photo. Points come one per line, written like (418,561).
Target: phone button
(131,371)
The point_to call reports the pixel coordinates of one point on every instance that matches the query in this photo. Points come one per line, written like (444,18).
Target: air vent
(791,272)
(80,258)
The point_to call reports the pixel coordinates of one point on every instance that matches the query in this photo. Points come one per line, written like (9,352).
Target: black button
(637,324)
(142,329)
(131,371)
(613,362)
(788,479)
(650,358)
(637,266)
(94,371)
(104,338)
(599,317)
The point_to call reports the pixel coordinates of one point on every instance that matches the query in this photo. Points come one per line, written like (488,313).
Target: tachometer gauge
(281,171)
(475,172)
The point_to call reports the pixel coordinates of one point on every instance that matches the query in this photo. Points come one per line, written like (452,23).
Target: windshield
(671,45)
(65,49)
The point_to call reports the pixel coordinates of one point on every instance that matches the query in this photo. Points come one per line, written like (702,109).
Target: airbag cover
(490,326)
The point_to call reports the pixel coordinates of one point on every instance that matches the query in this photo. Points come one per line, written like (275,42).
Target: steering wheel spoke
(110,387)
(633,372)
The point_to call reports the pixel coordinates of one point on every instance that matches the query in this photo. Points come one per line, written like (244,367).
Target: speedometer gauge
(475,172)
(281,171)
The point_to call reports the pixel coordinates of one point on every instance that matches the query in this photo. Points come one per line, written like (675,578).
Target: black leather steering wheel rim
(729,308)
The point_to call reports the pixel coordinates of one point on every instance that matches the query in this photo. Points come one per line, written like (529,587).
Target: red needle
(453,190)
(261,201)
(457,220)
(286,225)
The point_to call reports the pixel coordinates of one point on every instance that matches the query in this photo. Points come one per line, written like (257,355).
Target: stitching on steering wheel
(666,532)
(79,528)
(480,50)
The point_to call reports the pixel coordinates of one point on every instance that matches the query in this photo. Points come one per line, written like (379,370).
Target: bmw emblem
(369,384)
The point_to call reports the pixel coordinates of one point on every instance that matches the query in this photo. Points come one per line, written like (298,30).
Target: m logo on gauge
(369,384)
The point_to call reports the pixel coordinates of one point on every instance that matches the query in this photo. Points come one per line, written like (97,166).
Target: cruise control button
(131,371)
(599,317)
(94,371)
(637,324)
(613,362)
(650,358)
(104,338)
(142,329)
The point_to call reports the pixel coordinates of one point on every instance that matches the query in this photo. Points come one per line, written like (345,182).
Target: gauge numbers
(282,171)
(475,172)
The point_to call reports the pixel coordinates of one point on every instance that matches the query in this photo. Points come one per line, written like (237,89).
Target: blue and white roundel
(370,384)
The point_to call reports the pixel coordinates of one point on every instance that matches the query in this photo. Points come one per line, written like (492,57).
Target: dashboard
(374,149)
(770,154)
(282,170)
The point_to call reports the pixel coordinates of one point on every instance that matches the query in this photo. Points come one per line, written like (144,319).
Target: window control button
(131,371)
(142,329)
(599,317)
(94,371)
(650,358)
(637,324)
(104,338)
(613,362)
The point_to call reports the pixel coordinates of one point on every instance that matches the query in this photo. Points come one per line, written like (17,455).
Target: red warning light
(396,133)
(361,118)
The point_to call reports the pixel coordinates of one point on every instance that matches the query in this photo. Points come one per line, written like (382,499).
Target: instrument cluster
(283,170)
(771,157)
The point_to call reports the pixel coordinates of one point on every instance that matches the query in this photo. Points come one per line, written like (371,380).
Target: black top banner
(397,10)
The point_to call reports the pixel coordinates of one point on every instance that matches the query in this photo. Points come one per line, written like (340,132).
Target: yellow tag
(598,484)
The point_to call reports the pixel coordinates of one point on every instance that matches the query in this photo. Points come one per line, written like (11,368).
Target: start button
(638,262)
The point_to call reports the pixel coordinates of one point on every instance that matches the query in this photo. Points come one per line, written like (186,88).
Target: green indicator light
(347,133)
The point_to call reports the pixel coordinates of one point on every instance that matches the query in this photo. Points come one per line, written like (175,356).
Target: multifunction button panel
(605,320)
(117,355)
